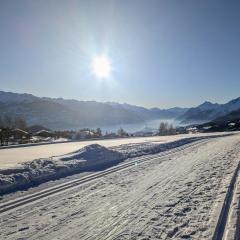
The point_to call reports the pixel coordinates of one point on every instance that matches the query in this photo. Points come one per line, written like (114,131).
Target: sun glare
(101,66)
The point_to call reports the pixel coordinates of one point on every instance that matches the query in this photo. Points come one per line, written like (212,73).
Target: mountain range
(59,113)
(208,111)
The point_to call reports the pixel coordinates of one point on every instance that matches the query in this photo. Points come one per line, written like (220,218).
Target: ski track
(173,197)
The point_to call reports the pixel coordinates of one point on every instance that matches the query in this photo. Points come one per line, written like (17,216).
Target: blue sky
(163,53)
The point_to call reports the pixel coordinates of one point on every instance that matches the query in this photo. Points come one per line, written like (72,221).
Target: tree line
(7,124)
(166,129)
(16,130)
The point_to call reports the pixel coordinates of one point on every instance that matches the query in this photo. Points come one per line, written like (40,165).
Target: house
(19,133)
(44,134)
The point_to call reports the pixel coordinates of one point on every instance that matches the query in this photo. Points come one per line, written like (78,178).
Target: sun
(101,66)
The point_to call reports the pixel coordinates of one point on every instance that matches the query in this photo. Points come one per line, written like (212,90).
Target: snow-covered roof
(17,130)
(43,131)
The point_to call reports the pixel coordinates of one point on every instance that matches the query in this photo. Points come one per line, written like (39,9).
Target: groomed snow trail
(173,197)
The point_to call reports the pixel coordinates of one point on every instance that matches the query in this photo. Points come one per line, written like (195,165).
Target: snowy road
(178,196)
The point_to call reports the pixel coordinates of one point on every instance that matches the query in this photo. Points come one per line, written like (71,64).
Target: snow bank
(41,170)
(93,153)
(137,150)
(30,174)
(91,157)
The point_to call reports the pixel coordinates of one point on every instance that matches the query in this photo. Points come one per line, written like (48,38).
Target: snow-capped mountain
(209,111)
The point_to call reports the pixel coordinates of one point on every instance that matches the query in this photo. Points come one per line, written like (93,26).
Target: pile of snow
(93,153)
(60,140)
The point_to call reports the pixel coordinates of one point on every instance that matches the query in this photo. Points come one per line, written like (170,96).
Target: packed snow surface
(178,196)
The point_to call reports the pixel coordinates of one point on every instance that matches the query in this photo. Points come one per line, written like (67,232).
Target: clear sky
(163,53)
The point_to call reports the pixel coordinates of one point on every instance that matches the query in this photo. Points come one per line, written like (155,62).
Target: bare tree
(4,136)
(166,129)
(163,128)
(1,122)
(121,132)
(171,130)
(98,132)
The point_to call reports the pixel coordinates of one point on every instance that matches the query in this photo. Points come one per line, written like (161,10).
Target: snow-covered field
(178,196)
(32,172)
(12,157)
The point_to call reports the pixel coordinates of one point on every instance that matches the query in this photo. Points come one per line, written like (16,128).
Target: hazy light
(101,66)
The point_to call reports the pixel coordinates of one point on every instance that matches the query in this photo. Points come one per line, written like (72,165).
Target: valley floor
(178,196)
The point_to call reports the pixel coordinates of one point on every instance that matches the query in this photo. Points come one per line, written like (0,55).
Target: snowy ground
(91,157)
(10,158)
(173,197)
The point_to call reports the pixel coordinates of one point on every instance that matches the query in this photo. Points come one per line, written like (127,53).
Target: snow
(207,127)
(13,157)
(60,140)
(92,153)
(90,157)
(232,223)
(42,170)
(173,197)
(93,156)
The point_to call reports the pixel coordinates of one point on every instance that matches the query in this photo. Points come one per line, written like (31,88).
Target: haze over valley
(119,120)
(60,114)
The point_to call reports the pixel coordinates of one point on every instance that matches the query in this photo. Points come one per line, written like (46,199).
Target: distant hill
(232,116)
(9,97)
(209,111)
(229,122)
(58,113)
